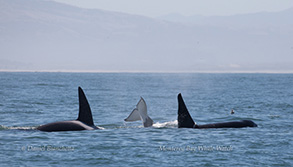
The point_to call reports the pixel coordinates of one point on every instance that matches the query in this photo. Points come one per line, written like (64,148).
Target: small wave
(274,116)
(2,127)
(127,125)
(166,124)
(52,84)
(23,128)
(41,84)
(99,127)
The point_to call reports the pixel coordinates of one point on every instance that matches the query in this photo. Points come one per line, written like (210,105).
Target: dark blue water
(31,99)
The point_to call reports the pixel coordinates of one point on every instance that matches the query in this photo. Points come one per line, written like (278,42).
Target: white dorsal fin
(140,113)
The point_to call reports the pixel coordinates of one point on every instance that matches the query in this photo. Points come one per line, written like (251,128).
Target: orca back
(234,124)
(64,126)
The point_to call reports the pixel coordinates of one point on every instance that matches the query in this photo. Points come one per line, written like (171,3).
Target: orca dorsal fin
(85,113)
(184,118)
(140,113)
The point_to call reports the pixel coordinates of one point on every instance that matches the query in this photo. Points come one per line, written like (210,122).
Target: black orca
(83,122)
(185,120)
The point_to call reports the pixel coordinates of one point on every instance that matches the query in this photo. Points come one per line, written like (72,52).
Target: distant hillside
(265,21)
(46,35)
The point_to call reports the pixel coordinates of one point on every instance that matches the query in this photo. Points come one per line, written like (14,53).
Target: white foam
(166,124)
(22,128)
(100,127)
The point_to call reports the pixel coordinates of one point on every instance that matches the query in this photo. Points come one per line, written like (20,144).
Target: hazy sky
(156,8)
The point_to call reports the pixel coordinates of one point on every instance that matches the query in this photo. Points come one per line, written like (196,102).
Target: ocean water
(28,100)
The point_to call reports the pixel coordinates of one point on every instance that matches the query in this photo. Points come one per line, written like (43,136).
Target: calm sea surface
(28,100)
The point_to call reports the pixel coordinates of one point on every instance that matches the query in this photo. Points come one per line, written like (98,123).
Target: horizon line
(167,72)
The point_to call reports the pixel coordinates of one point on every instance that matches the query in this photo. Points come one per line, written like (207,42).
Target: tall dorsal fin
(85,114)
(184,118)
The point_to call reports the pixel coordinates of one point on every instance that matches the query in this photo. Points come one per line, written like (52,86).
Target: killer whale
(140,113)
(185,120)
(83,122)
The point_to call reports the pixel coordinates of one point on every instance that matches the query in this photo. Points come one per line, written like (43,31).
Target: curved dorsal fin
(184,118)
(85,114)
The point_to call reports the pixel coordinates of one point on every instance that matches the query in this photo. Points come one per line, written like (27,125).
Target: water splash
(100,127)
(170,124)
(2,127)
